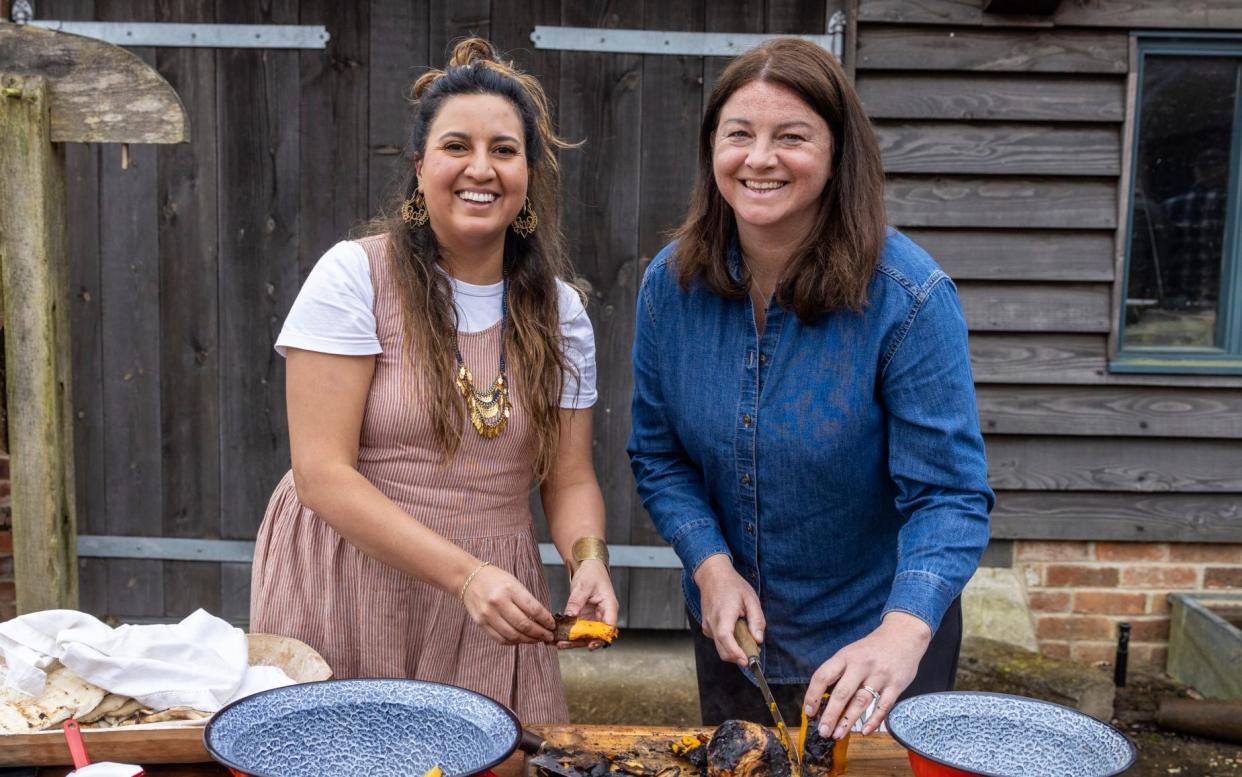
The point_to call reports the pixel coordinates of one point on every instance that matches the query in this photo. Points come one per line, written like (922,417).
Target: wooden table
(874,756)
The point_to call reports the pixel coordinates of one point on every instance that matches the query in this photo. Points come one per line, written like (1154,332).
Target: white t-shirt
(334,313)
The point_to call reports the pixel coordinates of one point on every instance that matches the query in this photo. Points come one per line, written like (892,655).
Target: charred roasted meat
(691,748)
(740,748)
(570,629)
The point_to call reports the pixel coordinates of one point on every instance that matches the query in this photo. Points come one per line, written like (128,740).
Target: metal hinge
(675,43)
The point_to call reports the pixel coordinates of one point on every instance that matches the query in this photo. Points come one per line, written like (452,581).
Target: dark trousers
(726,694)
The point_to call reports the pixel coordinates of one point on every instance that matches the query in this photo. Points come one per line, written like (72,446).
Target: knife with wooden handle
(741,632)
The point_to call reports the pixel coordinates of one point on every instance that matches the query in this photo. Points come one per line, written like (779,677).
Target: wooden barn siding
(1003,141)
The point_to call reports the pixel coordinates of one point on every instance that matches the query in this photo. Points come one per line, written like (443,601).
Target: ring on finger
(875,695)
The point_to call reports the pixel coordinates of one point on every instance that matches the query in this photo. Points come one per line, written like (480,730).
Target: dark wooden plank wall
(1003,143)
(186,262)
(1003,140)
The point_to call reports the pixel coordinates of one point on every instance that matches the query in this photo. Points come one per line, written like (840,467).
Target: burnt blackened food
(740,748)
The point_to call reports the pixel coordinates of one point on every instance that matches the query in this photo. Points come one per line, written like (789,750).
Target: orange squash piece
(822,756)
(582,630)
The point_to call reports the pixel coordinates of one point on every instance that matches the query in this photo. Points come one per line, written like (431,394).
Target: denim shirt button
(763,358)
(746,479)
(750,528)
(746,420)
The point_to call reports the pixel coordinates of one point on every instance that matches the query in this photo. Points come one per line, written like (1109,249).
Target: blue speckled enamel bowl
(376,728)
(999,735)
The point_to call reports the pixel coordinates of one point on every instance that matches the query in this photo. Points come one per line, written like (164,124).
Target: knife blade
(741,632)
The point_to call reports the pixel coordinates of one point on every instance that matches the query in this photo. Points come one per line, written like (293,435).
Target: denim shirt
(838,463)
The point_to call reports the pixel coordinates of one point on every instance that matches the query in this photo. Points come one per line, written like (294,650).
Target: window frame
(1226,360)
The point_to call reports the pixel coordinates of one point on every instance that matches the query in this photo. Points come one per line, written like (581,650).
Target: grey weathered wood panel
(1031,307)
(796,16)
(259,224)
(1040,515)
(881,47)
(971,97)
(82,170)
(189,352)
(1111,411)
(671,100)
(1019,255)
(999,149)
(1121,14)
(601,101)
(235,593)
(130,289)
(397,46)
(943,201)
(1114,464)
(1069,359)
(741,16)
(451,20)
(333,103)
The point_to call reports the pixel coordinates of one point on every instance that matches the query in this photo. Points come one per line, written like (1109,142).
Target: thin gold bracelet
(470,579)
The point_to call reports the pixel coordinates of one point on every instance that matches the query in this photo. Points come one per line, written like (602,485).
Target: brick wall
(1079,591)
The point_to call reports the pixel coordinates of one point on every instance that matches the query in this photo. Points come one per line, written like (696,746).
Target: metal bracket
(675,43)
(224,36)
(241,552)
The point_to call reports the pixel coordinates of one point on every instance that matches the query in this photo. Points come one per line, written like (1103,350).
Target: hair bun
(472,50)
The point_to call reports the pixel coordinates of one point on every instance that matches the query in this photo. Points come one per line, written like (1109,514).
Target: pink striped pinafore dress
(366,618)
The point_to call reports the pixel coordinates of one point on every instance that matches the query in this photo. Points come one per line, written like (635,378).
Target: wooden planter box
(1205,643)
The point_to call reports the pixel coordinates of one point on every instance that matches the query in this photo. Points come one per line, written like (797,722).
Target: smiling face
(473,172)
(772,157)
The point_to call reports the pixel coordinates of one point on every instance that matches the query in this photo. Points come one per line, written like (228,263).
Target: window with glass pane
(1180,301)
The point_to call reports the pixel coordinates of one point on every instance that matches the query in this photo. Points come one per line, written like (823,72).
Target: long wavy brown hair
(834,264)
(533,345)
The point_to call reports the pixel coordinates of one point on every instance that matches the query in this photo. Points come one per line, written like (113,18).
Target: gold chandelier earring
(414,210)
(526,222)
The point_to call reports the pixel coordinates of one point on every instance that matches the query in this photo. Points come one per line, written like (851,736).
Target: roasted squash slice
(570,629)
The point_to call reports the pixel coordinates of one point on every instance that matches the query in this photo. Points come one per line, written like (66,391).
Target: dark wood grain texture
(1152,412)
(1031,307)
(132,350)
(259,182)
(1042,463)
(397,53)
(671,100)
(882,47)
(452,20)
(1019,255)
(601,102)
(943,201)
(1039,515)
(1121,14)
(979,97)
(189,318)
(1066,359)
(999,149)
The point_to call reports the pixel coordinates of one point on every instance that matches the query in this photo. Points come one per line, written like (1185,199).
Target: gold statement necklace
(489,410)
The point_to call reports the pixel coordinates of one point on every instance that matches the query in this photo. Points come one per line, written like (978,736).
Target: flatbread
(65,696)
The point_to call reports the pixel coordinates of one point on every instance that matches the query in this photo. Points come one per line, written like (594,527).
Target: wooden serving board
(874,756)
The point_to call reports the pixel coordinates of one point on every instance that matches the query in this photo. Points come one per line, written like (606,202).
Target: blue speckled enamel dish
(998,735)
(376,728)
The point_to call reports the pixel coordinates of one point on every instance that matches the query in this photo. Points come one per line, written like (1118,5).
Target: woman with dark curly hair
(804,423)
(437,370)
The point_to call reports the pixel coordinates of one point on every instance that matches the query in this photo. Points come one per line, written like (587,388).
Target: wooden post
(36,341)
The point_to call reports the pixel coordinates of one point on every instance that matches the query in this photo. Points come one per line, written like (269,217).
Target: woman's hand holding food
(591,596)
(508,613)
(724,597)
(876,668)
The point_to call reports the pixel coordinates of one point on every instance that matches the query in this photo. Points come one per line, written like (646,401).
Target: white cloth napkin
(201,662)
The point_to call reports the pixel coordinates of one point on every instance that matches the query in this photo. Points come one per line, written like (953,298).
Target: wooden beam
(959,201)
(99,93)
(1026,7)
(35,274)
(999,149)
(922,49)
(977,97)
(1040,515)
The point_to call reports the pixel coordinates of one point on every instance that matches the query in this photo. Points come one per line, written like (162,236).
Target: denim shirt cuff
(696,541)
(921,594)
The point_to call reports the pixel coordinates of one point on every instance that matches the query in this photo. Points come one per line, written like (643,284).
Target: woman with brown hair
(804,423)
(437,370)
